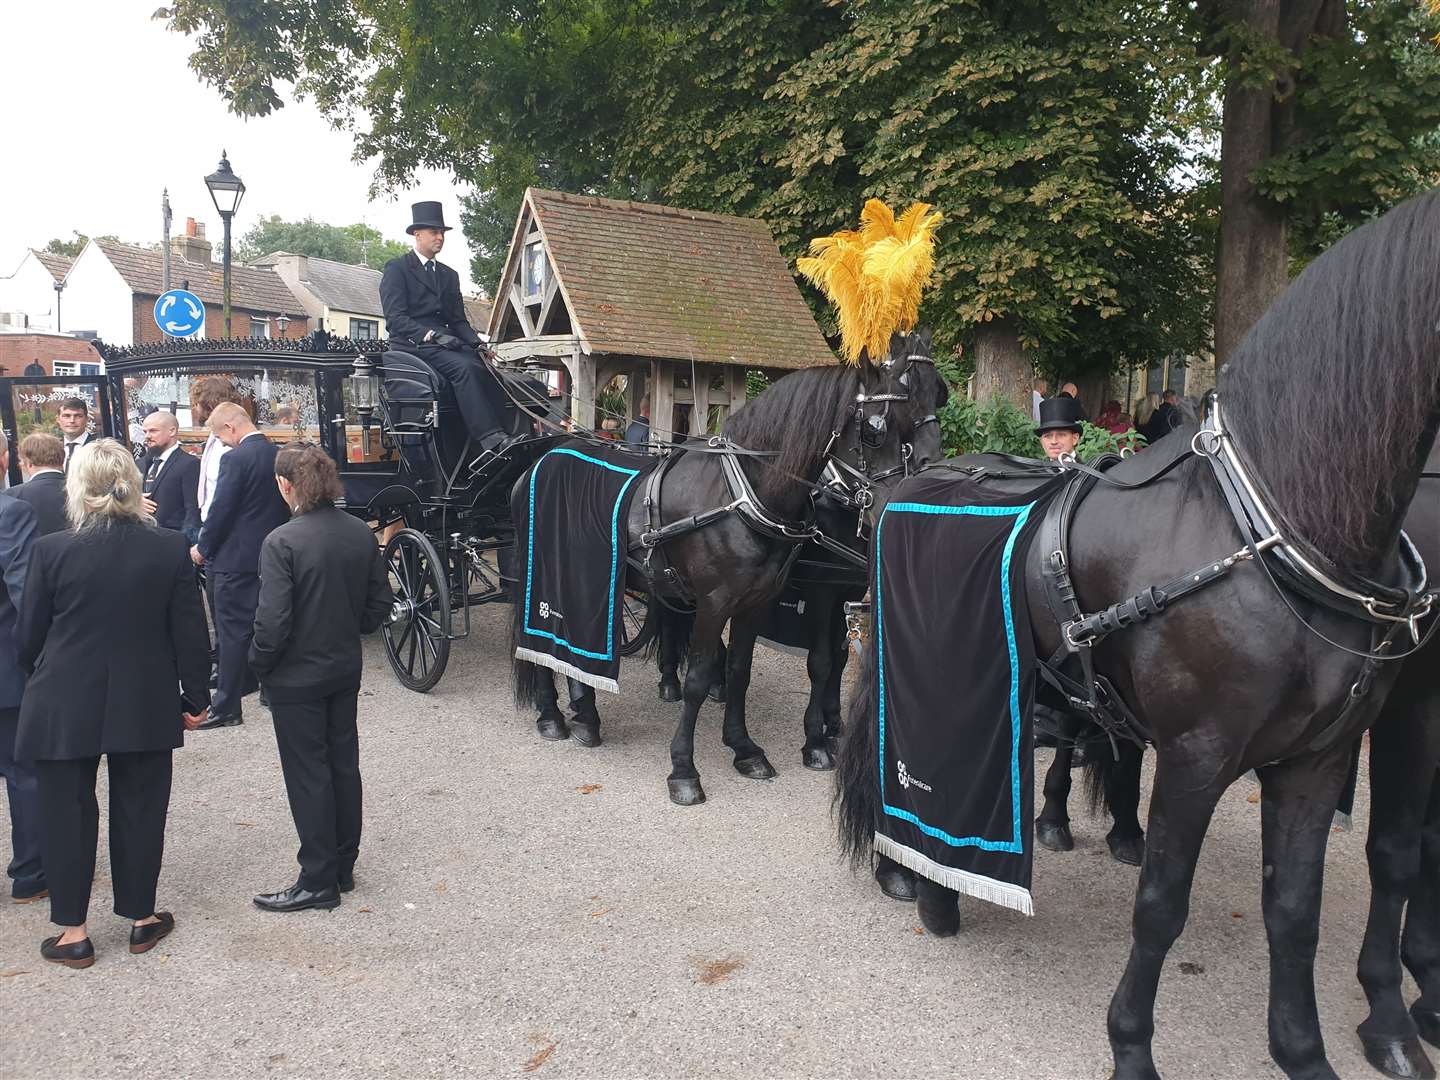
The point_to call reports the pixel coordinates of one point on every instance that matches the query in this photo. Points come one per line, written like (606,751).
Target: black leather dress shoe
(30,898)
(346,882)
(144,938)
(78,954)
(296,898)
(220,721)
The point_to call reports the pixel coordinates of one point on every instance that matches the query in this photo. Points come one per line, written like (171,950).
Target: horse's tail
(857,778)
(524,676)
(672,639)
(1103,763)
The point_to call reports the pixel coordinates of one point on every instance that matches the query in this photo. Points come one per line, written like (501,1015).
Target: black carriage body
(405,468)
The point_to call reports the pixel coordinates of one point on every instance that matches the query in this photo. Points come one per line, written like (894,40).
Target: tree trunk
(1258,122)
(1001,368)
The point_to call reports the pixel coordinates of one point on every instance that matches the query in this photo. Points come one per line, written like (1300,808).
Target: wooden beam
(559,345)
(700,394)
(662,401)
(517,302)
(552,290)
(582,392)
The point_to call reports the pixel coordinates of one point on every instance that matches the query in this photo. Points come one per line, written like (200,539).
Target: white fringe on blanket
(600,682)
(962,881)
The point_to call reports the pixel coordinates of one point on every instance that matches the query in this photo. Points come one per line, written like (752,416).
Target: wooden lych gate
(681,302)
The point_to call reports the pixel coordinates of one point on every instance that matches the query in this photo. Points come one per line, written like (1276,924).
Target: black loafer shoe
(220,721)
(345,882)
(78,954)
(297,899)
(144,938)
(30,898)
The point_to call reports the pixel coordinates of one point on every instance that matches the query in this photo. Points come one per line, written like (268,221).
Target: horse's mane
(1332,390)
(795,417)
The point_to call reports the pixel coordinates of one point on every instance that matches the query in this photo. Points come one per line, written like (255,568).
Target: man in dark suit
(425,316)
(172,477)
(42,459)
(73,419)
(247,506)
(17,534)
(637,435)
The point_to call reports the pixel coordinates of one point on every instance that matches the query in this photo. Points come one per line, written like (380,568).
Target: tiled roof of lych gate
(251,288)
(58,265)
(654,281)
(477,311)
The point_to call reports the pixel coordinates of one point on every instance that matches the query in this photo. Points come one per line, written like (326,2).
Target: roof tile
(251,288)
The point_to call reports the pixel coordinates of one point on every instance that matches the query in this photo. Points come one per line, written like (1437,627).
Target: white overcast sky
(101,112)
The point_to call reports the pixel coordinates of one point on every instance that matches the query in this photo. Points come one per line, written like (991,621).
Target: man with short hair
(17,534)
(73,420)
(425,316)
(638,433)
(172,476)
(1167,417)
(247,506)
(1038,390)
(42,462)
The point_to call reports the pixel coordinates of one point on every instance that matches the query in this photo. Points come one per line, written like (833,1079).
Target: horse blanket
(956,671)
(571,542)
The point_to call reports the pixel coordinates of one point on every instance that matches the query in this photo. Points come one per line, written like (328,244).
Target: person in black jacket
(172,477)
(42,457)
(111,631)
(322,585)
(245,509)
(425,316)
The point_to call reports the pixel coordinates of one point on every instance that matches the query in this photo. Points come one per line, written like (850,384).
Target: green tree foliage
(358,245)
(69,248)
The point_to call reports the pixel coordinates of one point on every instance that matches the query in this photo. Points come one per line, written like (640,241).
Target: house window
(74,368)
(364,329)
(534,276)
(259,327)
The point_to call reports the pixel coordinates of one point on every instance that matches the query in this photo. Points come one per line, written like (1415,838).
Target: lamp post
(226,190)
(282,321)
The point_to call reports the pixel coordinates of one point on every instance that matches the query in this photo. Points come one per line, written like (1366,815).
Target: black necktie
(69,450)
(430,265)
(151,474)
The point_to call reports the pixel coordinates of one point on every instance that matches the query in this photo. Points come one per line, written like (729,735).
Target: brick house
(57,354)
(112,289)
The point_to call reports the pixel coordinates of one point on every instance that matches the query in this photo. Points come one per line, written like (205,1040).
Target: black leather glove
(447,341)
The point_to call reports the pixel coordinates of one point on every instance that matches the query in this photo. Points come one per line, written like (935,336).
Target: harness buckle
(1068,632)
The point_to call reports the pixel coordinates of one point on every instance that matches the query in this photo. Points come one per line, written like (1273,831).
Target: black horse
(1334,399)
(876,420)
(1404,843)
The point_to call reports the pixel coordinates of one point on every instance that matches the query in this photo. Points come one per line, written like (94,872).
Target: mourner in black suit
(424,315)
(73,419)
(172,477)
(245,509)
(17,533)
(322,585)
(42,458)
(111,631)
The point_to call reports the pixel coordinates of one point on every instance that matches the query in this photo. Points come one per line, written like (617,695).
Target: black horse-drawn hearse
(390,424)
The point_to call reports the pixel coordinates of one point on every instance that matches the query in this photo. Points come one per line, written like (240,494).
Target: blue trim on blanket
(1021,515)
(609,653)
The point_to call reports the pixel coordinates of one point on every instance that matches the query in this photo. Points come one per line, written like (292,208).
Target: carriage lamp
(364,392)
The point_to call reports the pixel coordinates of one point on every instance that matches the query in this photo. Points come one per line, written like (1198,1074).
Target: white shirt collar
(165,454)
(247,435)
(43,470)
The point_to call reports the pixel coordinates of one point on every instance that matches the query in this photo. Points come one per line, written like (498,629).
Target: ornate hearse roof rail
(316,343)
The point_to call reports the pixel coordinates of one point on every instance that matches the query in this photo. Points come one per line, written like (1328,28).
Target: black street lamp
(226,189)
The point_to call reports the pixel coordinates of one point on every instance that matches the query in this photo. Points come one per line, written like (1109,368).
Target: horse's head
(891,428)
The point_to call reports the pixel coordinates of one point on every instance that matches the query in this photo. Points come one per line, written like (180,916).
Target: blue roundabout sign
(179,313)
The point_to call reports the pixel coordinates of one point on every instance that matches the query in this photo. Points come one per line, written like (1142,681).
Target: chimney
(191,245)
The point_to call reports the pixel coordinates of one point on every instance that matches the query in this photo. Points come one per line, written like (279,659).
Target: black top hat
(1060,414)
(426,215)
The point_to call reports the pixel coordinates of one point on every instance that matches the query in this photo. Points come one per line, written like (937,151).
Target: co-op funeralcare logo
(545,611)
(906,779)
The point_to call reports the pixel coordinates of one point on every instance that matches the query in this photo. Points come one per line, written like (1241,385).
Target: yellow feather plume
(875,276)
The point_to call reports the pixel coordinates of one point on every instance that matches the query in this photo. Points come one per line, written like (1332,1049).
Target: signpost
(179,313)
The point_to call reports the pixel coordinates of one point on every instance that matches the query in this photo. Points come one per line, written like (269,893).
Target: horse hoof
(1053,836)
(669,689)
(717,694)
(1127,849)
(939,908)
(1401,1058)
(587,735)
(1428,1021)
(686,791)
(552,728)
(896,882)
(818,758)
(756,768)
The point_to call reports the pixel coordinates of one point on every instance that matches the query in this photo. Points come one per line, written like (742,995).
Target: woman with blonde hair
(111,631)
(322,585)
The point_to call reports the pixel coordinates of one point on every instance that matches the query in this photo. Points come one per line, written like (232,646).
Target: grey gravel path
(526,908)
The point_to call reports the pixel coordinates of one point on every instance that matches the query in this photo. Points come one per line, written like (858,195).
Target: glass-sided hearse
(391,426)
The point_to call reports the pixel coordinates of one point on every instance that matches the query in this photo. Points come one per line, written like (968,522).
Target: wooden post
(700,398)
(662,401)
(634,390)
(582,389)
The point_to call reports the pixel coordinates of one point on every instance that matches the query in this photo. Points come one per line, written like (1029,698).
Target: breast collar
(1312,574)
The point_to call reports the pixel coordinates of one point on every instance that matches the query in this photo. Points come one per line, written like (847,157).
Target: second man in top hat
(425,316)
(1061,425)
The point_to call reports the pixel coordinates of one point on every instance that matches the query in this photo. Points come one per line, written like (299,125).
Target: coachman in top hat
(425,316)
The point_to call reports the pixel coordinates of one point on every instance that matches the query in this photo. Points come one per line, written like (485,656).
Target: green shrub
(998,427)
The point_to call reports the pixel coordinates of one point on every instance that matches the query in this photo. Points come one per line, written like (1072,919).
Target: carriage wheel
(638,620)
(416,638)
